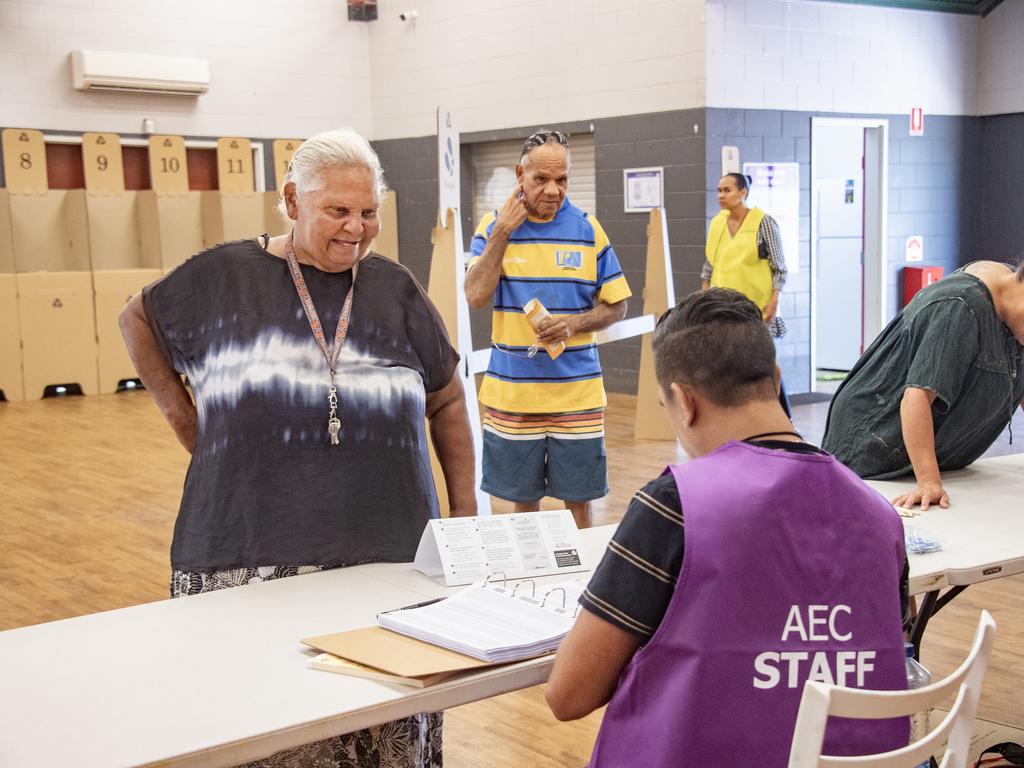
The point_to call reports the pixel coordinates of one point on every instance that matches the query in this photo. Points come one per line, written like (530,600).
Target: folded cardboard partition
(113,290)
(115,241)
(231,217)
(170,215)
(171,228)
(11,381)
(50,232)
(6,242)
(58,331)
(11,384)
(273,222)
(386,242)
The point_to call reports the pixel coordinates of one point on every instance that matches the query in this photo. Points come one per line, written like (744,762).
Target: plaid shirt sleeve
(768,233)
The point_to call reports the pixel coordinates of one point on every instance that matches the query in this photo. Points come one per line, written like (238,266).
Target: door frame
(874,296)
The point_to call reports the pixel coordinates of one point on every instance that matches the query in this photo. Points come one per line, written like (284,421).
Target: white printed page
(514,546)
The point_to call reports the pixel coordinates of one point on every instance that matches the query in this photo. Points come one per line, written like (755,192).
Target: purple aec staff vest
(791,571)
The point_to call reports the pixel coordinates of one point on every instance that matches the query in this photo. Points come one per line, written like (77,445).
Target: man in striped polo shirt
(544,417)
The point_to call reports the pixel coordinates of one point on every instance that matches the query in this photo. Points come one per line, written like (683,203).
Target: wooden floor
(89,488)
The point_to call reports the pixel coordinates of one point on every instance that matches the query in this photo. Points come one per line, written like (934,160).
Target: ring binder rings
(533,587)
(494,575)
(551,592)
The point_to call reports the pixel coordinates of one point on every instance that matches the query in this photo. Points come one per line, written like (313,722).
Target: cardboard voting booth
(57,331)
(235,210)
(50,242)
(659,295)
(120,264)
(170,215)
(386,242)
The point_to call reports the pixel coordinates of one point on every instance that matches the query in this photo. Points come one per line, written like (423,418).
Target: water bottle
(917,677)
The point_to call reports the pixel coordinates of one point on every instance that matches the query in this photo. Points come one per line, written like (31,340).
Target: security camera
(408,15)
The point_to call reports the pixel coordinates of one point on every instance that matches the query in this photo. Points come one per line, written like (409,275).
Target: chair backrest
(820,701)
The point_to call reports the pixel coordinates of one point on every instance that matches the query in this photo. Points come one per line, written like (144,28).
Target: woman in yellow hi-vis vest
(744,252)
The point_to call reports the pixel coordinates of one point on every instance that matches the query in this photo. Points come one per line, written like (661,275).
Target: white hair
(340,148)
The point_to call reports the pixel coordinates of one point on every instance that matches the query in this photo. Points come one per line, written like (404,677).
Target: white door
(839,216)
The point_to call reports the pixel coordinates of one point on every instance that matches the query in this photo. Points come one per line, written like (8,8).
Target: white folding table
(982,532)
(219,679)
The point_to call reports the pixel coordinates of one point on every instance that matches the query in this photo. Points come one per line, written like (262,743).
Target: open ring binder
(494,621)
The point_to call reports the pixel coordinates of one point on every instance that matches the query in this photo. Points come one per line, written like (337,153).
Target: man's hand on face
(512,213)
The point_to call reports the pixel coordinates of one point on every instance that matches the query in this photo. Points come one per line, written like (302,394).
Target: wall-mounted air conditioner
(139,73)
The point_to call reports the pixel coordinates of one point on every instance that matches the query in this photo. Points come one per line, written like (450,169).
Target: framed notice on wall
(643,189)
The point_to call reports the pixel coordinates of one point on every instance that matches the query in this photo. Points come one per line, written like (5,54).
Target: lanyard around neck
(330,355)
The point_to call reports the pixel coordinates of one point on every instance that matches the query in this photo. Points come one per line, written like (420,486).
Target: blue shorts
(574,469)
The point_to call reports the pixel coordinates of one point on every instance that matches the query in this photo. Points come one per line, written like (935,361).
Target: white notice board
(467,549)
(775,189)
(643,189)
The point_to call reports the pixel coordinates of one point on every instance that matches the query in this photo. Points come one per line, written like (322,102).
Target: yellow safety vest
(734,260)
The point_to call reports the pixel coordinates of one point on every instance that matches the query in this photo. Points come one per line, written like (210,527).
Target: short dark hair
(741,181)
(1020,270)
(716,342)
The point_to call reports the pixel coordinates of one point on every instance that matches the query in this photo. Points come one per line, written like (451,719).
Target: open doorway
(848,203)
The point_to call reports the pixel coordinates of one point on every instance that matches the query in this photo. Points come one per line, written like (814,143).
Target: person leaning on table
(939,384)
(268,492)
(793,569)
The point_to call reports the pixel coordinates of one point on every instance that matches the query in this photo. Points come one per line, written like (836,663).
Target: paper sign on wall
(775,189)
(643,189)
(730,160)
(917,121)
(521,545)
(915,248)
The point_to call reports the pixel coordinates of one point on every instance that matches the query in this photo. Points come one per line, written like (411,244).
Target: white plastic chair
(820,701)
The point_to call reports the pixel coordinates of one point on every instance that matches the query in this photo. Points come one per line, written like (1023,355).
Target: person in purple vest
(792,569)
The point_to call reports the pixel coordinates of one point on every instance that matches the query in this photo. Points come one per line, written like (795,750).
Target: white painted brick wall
(843,58)
(277,69)
(296,68)
(501,63)
(1001,60)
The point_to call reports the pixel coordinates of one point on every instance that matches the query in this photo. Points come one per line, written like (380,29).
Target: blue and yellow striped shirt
(568,264)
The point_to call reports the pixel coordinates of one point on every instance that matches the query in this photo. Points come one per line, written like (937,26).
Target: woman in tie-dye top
(262,329)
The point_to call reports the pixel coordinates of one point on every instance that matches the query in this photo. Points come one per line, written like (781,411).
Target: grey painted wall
(1001,237)
(410,168)
(675,141)
(932,192)
(935,190)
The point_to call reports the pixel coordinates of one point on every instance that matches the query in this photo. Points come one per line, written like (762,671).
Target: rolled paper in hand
(535,313)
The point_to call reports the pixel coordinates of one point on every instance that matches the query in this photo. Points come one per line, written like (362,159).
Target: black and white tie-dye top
(265,485)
